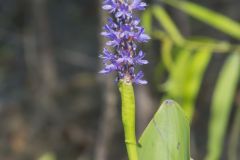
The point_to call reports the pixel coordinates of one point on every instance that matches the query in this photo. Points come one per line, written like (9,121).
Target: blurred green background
(55,106)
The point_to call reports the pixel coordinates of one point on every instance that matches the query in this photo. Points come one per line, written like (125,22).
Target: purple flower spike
(138,5)
(138,78)
(124,33)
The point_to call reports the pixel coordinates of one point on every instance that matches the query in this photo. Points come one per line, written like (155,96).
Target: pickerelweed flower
(124,33)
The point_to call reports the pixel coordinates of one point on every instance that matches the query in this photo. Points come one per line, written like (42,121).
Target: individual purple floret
(124,33)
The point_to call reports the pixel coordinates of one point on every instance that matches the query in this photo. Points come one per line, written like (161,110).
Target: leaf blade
(221,105)
(167,135)
(167,23)
(208,16)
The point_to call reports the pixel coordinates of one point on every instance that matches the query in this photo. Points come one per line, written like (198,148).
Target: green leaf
(221,105)
(208,16)
(186,76)
(167,23)
(166,50)
(147,20)
(174,85)
(167,135)
(217,46)
(194,75)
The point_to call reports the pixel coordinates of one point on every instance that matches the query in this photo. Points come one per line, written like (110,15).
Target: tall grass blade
(221,105)
(165,20)
(216,20)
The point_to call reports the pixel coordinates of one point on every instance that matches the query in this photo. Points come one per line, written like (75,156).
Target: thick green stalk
(128,118)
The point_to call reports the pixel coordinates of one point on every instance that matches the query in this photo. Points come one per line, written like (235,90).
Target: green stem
(128,118)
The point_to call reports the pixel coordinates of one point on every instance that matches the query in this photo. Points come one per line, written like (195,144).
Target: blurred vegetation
(185,60)
(54,105)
